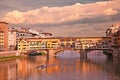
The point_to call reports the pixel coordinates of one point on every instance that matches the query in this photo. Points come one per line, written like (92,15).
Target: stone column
(83,54)
(47,54)
(116,53)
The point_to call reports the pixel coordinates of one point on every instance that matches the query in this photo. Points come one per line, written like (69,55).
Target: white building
(33,31)
(12,39)
(45,35)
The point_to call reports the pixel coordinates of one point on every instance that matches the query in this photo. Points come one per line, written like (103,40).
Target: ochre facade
(3,36)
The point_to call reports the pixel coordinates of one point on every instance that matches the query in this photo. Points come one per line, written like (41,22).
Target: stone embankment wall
(9,53)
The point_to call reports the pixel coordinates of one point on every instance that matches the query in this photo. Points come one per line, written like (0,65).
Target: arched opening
(96,55)
(68,45)
(99,55)
(108,53)
(73,45)
(67,54)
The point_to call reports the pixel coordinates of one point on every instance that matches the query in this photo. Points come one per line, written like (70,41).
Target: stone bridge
(81,45)
(50,52)
(53,52)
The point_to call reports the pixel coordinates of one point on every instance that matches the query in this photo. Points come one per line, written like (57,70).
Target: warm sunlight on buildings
(3,36)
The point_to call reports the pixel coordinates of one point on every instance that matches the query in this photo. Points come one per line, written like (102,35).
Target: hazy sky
(62,17)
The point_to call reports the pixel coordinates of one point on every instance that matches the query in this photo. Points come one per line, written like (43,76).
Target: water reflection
(8,70)
(95,68)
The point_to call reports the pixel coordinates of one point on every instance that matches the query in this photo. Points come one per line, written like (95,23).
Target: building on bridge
(27,44)
(95,43)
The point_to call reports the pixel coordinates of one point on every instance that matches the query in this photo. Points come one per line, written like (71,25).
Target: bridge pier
(48,54)
(116,53)
(83,54)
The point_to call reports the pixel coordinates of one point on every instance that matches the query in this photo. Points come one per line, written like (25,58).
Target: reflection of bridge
(51,46)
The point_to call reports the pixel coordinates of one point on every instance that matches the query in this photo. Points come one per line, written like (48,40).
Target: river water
(95,67)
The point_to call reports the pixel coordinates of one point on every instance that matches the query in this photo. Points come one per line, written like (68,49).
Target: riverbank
(6,58)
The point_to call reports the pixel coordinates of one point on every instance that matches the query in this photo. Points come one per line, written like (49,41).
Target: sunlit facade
(27,44)
(3,36)
(12,39)
(23,46)
(95,43)
(114,33)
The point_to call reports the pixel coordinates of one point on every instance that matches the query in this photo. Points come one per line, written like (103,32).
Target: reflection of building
(8,70)
(23,69)
(3,36)
(3,72)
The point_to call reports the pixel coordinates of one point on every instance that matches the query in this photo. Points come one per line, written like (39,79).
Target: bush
(37,54)
(109,54)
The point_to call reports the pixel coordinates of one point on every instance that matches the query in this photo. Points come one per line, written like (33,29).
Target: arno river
(96,67)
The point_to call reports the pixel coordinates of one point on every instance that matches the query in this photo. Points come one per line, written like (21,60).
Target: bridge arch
(45,51)
(108,52)
(71,50)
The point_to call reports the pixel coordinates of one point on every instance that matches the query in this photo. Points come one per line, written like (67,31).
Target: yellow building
(95,42)
(23,46)
(55,43)
(68,42)
(52,43)
(28,44)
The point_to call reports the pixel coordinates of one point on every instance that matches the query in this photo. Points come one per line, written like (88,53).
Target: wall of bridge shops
(89,42)
(51,44)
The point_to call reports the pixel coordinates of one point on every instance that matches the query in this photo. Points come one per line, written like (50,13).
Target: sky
(67,18)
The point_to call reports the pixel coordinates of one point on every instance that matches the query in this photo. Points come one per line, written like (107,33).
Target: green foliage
(41,53)
(6,58)
(109,54)
(37,54)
